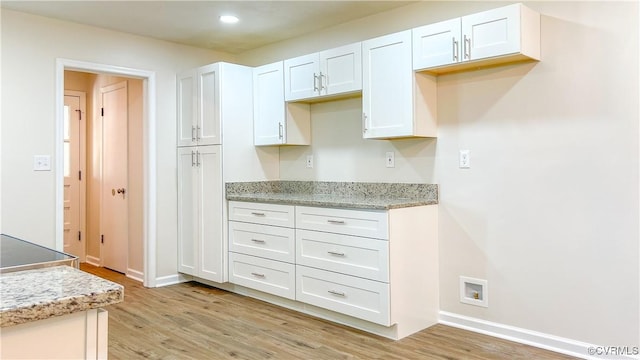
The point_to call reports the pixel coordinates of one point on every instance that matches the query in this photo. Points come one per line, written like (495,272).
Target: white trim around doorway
(149,154)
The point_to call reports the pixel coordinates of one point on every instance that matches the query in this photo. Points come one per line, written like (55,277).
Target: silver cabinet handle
(197,158)
(336,222)
(315,83)
(258,241)
(193,133)
(257,213)
(364,122)
(455,50)
(280,131)
(193,158)
(257,275)
(336,293)
(335,253)
(198,131)
(321,77)
(467,54)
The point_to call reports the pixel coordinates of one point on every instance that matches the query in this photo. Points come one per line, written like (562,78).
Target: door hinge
(102,239)
(80,175)
(79,236)
(101,111)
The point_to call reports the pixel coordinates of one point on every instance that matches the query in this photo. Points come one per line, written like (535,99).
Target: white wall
(549,211)
(30,46)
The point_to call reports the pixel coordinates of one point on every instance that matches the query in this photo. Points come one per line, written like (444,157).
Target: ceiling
(196,22)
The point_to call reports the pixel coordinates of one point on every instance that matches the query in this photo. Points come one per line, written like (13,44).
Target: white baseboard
(135,275)
(172,280)
(541,340)
(92,260)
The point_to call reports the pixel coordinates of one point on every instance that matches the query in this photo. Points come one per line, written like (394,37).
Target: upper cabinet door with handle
(327,73)
(302,77)
(208,114)
(491,33)
(341,70)
(437,44)
(187,105)
(199,106)
(268,105)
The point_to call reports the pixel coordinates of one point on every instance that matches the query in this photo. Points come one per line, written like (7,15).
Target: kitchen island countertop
(43,293)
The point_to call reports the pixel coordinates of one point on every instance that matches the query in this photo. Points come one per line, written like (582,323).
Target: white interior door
(115,207)
(74,183)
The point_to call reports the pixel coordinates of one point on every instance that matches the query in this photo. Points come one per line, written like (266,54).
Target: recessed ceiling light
(229,19)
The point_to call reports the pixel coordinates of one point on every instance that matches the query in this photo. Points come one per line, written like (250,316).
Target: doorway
(146,166)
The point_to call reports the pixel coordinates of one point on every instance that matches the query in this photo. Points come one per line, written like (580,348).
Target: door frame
(149,216)
(82,166)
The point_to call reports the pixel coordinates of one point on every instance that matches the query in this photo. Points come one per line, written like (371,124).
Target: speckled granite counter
(375,196)
(39,294)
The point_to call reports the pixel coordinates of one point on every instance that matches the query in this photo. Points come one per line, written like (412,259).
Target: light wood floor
(194,321)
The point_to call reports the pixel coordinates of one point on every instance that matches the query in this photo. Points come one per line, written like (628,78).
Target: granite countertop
(354,195)
(39,294)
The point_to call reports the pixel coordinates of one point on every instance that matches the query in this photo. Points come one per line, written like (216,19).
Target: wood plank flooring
(195,321)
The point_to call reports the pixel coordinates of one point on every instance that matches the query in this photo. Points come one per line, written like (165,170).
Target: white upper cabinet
(396,102)
(274,121)
(327,73)
(507,34)
(199,106)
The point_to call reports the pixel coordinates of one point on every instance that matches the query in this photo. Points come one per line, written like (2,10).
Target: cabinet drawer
(273,277)
(373,224)
(266,214)
(351,255)
(272,242)
(357,297)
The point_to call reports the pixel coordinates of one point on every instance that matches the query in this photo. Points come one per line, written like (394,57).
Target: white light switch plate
(42,163)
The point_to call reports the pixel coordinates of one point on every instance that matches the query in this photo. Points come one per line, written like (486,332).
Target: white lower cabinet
(350,295)
(270,276)
(376,270)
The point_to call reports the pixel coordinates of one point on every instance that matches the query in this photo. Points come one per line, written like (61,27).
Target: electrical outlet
(390,159)
(310,161)
(464,159)
(42,163)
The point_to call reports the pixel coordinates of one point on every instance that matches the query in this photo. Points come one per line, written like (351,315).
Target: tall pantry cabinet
(211,100)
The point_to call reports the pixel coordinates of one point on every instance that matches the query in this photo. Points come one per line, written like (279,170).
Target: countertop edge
(350,204)
(51,308)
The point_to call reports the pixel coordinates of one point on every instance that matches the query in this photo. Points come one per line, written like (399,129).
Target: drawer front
(258,213)
(351,255)
(273,277)
(373,224)
(271,242)
(357,297)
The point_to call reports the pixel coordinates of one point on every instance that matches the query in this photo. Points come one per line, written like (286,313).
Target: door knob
(121,191)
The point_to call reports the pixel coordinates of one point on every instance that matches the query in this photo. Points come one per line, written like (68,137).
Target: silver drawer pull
(337,222)
(257,213)
(335,253)
(258,241)
(257,275)
(336,293)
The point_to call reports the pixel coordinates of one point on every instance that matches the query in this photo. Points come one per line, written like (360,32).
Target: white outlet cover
(42,163)
(464,159)
(390,159)
(310,161)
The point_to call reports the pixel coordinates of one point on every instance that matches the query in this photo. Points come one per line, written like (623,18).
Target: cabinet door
(387,86)
(436,44)
(268,104)
(491,33)
(187,210)
(212,250)
(187,104)
(301,77)
(341,70)
(208,120)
